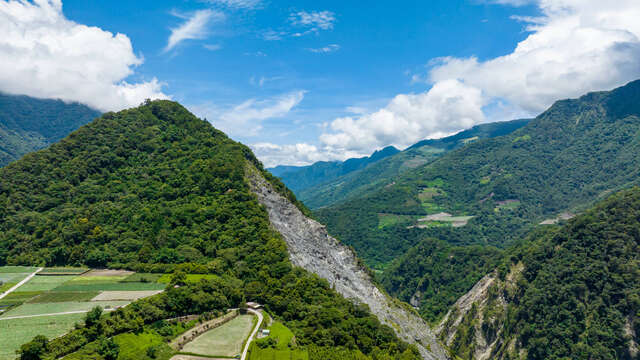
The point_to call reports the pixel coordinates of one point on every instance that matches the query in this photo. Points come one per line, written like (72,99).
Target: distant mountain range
(28,124)
(326,183)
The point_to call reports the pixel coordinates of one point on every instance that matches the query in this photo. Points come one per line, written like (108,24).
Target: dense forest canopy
(576,293)
(28,124)
(573,154)
(156,189)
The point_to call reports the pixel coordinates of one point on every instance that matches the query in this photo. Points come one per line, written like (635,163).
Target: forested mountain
(28,124)
(377,175)
(299,178)
(155,189)
(566,293)
(494,191)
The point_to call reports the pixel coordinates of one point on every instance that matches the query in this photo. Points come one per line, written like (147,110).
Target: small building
(266,332)
(254,305)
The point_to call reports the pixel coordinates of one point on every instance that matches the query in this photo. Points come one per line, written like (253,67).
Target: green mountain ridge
(577,152)
(571,293)
(28,124)
(155,189)
(299,178)
(378,174)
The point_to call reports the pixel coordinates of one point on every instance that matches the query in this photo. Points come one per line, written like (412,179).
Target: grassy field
(19,331)
(63,271)
(19,297)
(226,340)
(60,307)
(385,220)
(283,349)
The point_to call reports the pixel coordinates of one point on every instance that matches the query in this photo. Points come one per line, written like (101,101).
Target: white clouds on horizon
(246,118)
(45,55)
(196,26)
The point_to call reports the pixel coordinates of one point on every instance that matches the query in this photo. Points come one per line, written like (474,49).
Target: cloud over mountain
(43,54)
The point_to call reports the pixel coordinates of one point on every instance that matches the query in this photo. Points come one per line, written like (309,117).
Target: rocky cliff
(311,248)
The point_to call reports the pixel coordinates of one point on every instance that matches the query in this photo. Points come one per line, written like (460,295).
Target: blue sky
(301,81)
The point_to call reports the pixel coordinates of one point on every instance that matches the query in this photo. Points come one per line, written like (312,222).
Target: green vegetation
(29,124)
(154,189)
(44,283)
(579,288)
(166,278)
(226,340)
(379,174)
(142,277)
(60,296)
(299,178)
(557,165)
(279,345)
(436,273)
(16,332)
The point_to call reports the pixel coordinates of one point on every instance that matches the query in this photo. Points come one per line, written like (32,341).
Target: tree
(108,348)
(93,316)
(34,349)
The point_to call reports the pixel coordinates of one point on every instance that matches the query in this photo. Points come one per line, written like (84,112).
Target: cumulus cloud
(574,47)
(325,49)
(196,26)
(43,54)
(448,107)
(246,118)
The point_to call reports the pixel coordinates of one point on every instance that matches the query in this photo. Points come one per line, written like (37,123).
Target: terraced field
(55,299)
(224,341)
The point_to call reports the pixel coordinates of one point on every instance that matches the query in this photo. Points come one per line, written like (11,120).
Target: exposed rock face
(311,248)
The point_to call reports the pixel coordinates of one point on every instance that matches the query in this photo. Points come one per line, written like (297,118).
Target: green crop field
(60,307)
(108,286)
(142,277)
(17,269)
(226,340)
(18,297)
(63,271)
(45,283)
(64,296)
(19,331)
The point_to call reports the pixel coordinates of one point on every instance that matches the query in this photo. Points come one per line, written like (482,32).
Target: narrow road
(54,314)
(253,334)
(20,283)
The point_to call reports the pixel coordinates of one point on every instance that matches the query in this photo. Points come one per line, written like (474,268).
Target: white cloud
(315,20)
(576,46)
(296,154)
(237,4)
(325,49)
(43,54)
(212,47)
(448,107)
(273,35)
(246,118)
(196,26)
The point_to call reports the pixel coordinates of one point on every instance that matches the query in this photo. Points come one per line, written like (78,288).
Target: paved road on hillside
(253,333)
(20,283)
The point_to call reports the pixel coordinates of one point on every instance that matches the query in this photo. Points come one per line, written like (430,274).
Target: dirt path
(253,334)
(20,283)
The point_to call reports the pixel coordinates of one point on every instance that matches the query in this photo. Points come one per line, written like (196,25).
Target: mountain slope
(572,292)
(155,189)
(496,189)
(379,174)
(299,178)
(29,124)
